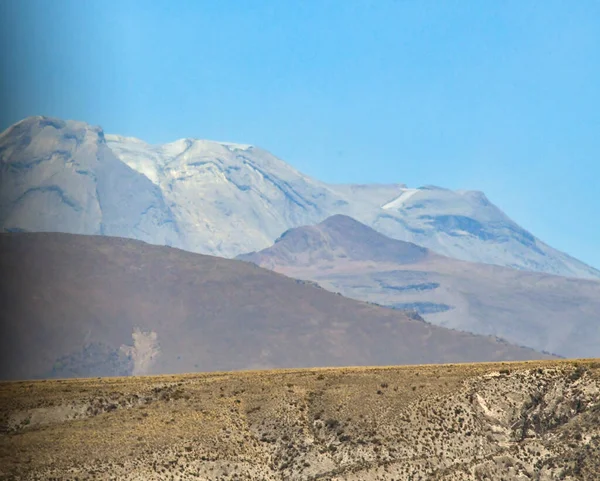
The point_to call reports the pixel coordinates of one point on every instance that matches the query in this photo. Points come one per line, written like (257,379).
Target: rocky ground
(501,421)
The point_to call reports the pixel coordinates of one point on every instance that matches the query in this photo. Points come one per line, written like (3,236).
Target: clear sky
(499,96)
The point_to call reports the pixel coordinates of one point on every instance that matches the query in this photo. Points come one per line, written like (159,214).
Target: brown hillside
(71,303)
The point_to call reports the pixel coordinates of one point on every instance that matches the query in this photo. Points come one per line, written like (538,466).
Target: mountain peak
(337,237)
(40,134)
(341,221)
(43,121)
(36,121)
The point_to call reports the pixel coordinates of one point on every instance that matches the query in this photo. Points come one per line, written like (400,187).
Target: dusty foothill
(490,421)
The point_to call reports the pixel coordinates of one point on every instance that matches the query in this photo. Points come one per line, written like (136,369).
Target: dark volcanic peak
(76,305)
(337,237)
(526,308)
(364,243)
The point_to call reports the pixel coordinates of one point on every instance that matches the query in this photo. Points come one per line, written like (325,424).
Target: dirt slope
(505,421)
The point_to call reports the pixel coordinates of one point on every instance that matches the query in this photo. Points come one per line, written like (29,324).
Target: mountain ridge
(78,305)
(199,195)
(352,240)
(548,312)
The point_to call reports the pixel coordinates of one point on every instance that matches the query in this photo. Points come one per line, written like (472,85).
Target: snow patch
(233,147)
(123,139)
(401,199)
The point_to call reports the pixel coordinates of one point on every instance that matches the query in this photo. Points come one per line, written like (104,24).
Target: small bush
(332,423)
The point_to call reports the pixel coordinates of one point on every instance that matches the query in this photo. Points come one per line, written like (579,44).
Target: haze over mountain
(226,199)
(546,312)
(77,305)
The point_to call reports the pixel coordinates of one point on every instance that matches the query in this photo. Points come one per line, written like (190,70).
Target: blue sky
(500,96)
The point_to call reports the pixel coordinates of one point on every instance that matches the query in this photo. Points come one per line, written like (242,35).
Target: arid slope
(504,421)
(79,306)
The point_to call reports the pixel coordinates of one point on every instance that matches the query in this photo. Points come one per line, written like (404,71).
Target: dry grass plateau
(537,420)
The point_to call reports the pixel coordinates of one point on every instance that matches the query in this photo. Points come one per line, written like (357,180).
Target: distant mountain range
(546,312)
(80,306)
(228,199)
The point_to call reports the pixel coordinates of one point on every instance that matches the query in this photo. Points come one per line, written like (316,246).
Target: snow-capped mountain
(226,199)
(61,176)
(467,226)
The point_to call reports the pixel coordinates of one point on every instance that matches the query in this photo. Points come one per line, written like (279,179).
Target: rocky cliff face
(226,199)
